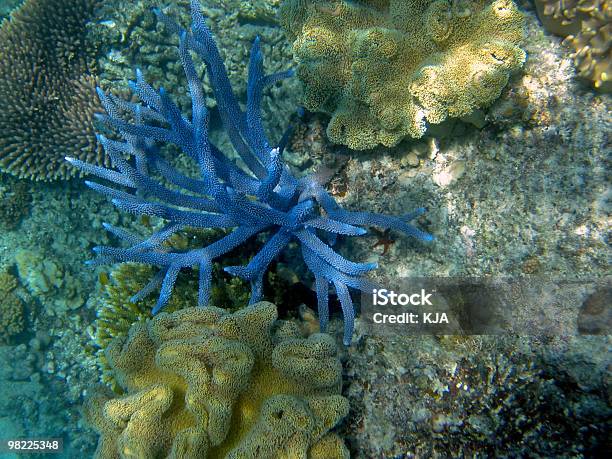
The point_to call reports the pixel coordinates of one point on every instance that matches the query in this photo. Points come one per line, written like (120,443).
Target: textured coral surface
(587,26)
(11,308)
(385,69)
(204,383)
(15,200)
(47,97)
(533,198)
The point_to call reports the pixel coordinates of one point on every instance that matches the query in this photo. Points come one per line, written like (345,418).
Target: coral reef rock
(47,96)
(49,281)
(587,26)
(202,382)
(500,396)
(383,70)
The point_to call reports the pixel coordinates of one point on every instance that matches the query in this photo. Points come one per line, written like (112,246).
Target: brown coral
(383,70)
(587,26)
(47,91)
(15,200)
(204,383)
(11,308)
(8,283)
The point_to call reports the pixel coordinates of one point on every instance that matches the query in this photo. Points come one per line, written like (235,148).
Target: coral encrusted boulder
(385,69)
(204,383)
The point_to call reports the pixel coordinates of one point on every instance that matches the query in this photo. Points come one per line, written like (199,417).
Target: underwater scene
(305,229)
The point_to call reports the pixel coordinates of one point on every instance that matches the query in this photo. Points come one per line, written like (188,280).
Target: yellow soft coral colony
(587,26)
(384,69)
(204,383)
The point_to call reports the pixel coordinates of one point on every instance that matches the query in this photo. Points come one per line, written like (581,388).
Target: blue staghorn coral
(266,198)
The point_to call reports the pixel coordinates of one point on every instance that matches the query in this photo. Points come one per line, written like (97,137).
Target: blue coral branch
(263,198)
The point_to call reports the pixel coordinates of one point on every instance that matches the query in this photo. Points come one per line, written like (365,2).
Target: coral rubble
(202,382)
(47,97)
(587,26)
(384,70)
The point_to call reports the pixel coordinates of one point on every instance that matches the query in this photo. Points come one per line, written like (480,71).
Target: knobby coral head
(263,198)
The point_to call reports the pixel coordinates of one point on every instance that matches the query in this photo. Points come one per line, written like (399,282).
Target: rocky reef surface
(525,193)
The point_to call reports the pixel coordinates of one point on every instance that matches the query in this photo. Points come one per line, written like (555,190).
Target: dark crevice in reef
(257,22)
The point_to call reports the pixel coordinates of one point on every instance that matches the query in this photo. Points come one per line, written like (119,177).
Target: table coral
(383,70)
(202,382)
(47,93)
(587,26)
